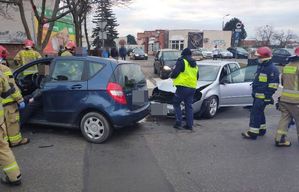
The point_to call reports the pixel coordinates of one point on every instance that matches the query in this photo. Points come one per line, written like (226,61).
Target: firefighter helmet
(3,52)
(297,51)
(70,45)
(28,43)
(263,52)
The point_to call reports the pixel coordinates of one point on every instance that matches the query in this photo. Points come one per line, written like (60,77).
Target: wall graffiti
(219,43)
(12,37)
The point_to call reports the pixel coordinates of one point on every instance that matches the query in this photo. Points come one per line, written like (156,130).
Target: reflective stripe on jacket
(266,80)
(188,78)
(290,79)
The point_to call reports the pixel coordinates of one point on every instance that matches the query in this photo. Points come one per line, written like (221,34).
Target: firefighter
(8,164)
(27,54)
(289,100)
(3,55)
(11,106)
(263,87)
(69,49)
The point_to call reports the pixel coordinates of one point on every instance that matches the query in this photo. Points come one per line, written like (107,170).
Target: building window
(174,44)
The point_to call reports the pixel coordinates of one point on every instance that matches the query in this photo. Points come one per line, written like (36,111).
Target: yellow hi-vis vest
(290,78)
(188,78)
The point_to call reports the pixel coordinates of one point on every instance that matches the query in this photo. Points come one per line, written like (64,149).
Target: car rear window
(129,76)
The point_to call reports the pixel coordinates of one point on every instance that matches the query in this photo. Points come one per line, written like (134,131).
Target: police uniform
(7,160)
(11,110)
(263,87)
(289,101)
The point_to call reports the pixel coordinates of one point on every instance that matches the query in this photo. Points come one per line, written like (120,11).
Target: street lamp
(223,20)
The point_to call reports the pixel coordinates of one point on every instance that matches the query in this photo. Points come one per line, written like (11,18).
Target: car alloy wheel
(95,127)
(211,107)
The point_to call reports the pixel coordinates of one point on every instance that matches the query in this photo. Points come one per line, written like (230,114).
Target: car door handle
(78,86)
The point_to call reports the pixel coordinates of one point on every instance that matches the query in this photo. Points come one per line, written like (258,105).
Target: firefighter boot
(249,135)
(283,142)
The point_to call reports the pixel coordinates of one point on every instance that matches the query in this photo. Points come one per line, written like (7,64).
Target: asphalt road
(152,156)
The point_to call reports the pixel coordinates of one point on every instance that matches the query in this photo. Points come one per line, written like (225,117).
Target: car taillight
(117,93)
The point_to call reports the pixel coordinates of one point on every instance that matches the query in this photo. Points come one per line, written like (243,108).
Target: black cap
(186,52)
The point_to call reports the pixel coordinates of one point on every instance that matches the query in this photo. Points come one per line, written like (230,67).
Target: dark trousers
(184,94)
(257,114)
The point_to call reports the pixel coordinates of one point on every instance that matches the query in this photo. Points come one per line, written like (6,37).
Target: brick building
(153,40)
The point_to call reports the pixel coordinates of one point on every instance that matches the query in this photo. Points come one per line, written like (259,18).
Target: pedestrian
(11,105)
(289,100)
(185,76)
(215,53)
(263,87)
(114,53)
(27,55)
(69,49)
(106,53)
(123,52)
(8,164)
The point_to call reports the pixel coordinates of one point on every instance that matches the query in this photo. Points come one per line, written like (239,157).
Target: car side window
(93,68)
(246,74)
(233,67)
(224,72)
(68,70)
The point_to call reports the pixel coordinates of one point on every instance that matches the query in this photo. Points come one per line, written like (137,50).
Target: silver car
(220,84)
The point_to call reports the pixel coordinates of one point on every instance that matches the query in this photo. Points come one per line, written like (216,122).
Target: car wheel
(95,127)
(211,107)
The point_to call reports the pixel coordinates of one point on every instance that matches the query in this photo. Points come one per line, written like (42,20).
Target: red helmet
(3,52)
(70,45)
(297,51)
(28,43)
(263,52)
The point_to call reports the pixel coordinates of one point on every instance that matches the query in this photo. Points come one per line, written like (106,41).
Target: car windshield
(138,51)
(195,53)
(242,50)
(204,50)
(208,72)
(171,55)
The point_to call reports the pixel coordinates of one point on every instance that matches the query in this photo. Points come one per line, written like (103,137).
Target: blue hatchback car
(90,93)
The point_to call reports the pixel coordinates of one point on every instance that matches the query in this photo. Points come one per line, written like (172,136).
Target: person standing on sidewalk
(289,100)
(264,86)
(185,76)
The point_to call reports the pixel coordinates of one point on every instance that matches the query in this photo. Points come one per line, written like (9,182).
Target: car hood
(170,63)
(167,85)
(207,52)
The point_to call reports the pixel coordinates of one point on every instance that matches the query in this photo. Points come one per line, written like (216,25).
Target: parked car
(206,53)
(220,84)
(281,55)
(238,52)
(90,93)
(165,60)
(138,53)
(224,54)
(196,54)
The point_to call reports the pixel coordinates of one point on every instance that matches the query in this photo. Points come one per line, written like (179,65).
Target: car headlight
(166,68)
(136,55)
(145,54)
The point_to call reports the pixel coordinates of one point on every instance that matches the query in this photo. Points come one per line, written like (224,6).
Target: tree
(104,14)
(20,5)
(282,38)
(265,34)
(231,26)
(131,40)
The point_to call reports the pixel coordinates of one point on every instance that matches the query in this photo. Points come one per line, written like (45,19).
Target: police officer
(8,164)
(185,75)
(289,100)
(69,49)
(27,54)
(263,87)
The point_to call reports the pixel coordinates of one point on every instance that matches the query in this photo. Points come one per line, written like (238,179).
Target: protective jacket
(290,81)
(266,81)
(25,56)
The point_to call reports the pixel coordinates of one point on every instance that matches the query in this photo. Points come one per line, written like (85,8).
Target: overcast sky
(144,15)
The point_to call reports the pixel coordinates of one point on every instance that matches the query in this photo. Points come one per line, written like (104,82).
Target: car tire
(211,107)
(95,127)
